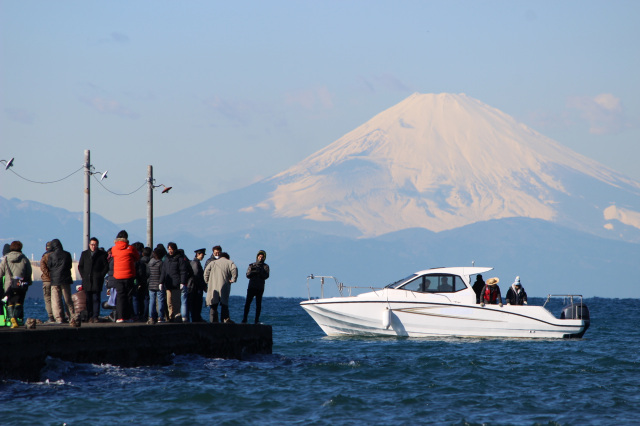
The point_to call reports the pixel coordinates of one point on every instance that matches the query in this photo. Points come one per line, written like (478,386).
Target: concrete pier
(24,352)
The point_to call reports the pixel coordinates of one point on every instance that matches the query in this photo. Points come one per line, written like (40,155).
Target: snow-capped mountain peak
(440,162)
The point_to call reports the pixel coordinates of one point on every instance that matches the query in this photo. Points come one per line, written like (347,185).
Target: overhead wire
(73,173)
(44,183)
(116,193)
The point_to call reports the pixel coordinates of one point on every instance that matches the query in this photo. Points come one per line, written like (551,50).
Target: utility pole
(87,201)
(150,206)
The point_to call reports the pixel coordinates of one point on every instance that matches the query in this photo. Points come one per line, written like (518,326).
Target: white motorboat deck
(440,302)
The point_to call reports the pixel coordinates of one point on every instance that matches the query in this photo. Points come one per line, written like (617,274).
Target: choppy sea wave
(314,379)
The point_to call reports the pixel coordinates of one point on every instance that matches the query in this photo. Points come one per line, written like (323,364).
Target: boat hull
(346,316)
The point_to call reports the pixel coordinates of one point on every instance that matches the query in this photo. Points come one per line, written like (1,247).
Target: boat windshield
(399,282)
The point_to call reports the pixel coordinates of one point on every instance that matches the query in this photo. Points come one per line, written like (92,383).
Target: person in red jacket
(124,271)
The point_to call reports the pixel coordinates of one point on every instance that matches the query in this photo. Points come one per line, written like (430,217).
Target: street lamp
(7,163)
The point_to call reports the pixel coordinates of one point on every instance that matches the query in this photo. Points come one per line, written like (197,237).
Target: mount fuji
(437,162)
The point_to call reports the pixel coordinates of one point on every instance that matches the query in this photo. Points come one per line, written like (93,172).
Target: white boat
(441,302)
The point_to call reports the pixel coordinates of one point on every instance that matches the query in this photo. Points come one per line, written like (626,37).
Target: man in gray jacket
(219,274)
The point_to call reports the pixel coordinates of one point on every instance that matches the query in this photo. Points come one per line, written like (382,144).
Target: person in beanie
(16,272)
(125,257)
(258,273)
(491,293)
(516,294)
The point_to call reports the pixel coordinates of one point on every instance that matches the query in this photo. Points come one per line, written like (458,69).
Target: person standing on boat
(491,293)
(478,286)
(257,273)
(516,294)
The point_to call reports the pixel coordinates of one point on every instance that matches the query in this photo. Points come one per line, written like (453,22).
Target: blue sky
(216,95)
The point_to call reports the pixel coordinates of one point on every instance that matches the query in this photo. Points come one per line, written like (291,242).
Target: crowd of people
(143,284)
(156,285)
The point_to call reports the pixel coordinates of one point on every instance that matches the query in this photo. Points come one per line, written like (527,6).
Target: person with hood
(156,289)
(174,276)
(140,290)
(478,286)
(516,294)
(93,267)
(219,275)
(46,281)
(125,257)
(16,274)
(60,265)
(491,293)
(258,273)
(143,283)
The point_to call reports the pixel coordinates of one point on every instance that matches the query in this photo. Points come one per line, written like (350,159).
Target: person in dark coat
(140,290)
(199,286)
(174,274)
(143,284)
(516,294)
(478,286)
(93,267)
(157,303)
(258,273)
(60,265)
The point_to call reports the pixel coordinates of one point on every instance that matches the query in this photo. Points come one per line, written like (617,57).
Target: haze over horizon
(221,95)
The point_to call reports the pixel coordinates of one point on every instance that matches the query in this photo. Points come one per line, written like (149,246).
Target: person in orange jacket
(124,271)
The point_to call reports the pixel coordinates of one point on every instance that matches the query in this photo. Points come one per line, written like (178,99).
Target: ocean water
(317,380)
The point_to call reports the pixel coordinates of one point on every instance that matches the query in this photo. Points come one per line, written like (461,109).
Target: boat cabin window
(434,284)
(398,284)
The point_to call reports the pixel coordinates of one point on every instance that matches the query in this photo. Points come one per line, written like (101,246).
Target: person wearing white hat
(491,293)
(516,294)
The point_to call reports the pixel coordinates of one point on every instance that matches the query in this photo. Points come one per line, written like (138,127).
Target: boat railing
(340,286)
(570,297)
